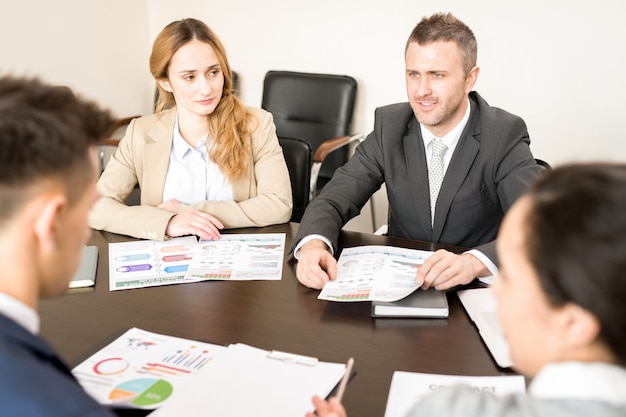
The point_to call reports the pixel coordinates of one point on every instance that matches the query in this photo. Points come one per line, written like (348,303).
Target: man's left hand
(444,270)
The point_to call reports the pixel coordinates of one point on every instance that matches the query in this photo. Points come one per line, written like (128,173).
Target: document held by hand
(374,273)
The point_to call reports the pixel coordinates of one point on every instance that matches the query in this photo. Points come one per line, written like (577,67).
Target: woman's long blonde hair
(228,124)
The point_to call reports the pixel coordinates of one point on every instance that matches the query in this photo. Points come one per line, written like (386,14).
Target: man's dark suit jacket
(491,167)
(34,381)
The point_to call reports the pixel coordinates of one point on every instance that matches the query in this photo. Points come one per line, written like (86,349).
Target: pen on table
(344,380)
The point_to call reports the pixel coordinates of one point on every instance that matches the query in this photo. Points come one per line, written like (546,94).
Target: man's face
(437,85)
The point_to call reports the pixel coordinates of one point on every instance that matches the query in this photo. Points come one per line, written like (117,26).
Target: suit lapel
(415,161)
(458,170)
(157,158)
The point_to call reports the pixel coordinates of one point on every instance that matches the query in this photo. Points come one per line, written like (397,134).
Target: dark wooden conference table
(282,315)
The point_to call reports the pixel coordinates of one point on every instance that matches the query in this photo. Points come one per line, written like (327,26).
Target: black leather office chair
(317,108)
(544,164)
(298,156)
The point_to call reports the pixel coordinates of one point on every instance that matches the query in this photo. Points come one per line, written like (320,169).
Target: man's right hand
(316,266)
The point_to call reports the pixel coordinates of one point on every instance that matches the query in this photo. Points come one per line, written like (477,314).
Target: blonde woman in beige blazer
(195,84)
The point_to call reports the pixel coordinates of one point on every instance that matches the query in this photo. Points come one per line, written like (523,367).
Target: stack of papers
(481,307)
(181,377)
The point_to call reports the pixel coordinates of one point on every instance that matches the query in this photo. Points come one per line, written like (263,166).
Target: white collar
(597,381)
(180,147)
(452,137)
(19,312)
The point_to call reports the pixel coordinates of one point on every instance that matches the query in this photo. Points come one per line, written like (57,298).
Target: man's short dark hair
(445,27)
(45,133)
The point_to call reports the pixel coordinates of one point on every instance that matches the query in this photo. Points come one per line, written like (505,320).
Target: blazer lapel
(156,159)
(460,165)
(415,161)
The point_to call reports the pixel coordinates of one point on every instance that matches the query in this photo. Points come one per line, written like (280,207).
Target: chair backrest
(544,164)
(298,156)
(312,107)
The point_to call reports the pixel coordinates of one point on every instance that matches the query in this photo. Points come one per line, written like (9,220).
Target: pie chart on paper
(142,392)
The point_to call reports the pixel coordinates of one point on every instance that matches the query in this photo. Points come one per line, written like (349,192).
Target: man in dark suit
(47,185)
(484,165)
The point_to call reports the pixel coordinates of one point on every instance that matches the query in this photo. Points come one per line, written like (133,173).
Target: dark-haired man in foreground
(48,172)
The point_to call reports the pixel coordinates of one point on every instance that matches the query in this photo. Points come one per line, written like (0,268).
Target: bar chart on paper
(142,369)
(239,257)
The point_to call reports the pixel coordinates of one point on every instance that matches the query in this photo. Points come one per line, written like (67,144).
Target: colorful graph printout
(147,263)
(142,369)
(239,257)
(374,273)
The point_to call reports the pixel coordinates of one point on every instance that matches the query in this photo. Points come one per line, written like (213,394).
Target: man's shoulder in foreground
(34,381)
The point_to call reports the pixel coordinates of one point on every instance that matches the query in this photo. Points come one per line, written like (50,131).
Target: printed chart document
(147,263)
(409,387)
(247,381)
(239,257)
(141,369)
(181,377)
(374,273)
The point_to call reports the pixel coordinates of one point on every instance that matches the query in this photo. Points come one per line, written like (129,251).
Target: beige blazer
(261,198)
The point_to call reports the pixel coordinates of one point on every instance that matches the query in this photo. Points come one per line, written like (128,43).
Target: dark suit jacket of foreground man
(491,167)
(30,368)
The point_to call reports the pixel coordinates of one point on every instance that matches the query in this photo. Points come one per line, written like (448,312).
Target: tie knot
(438,147)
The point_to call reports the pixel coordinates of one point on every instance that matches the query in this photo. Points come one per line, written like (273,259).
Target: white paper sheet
(407,388)
(244,381)
(380,273)
(236,257)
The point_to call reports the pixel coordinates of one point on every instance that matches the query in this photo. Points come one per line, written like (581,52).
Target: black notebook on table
(420,303)
(85,276)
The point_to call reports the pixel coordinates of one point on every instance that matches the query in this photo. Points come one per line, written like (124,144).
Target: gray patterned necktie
(435,173)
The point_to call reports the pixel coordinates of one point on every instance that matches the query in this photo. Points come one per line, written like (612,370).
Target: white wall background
(559,64)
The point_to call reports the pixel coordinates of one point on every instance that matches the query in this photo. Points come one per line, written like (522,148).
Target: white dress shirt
(192,175)
(19,312)
(594,381)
